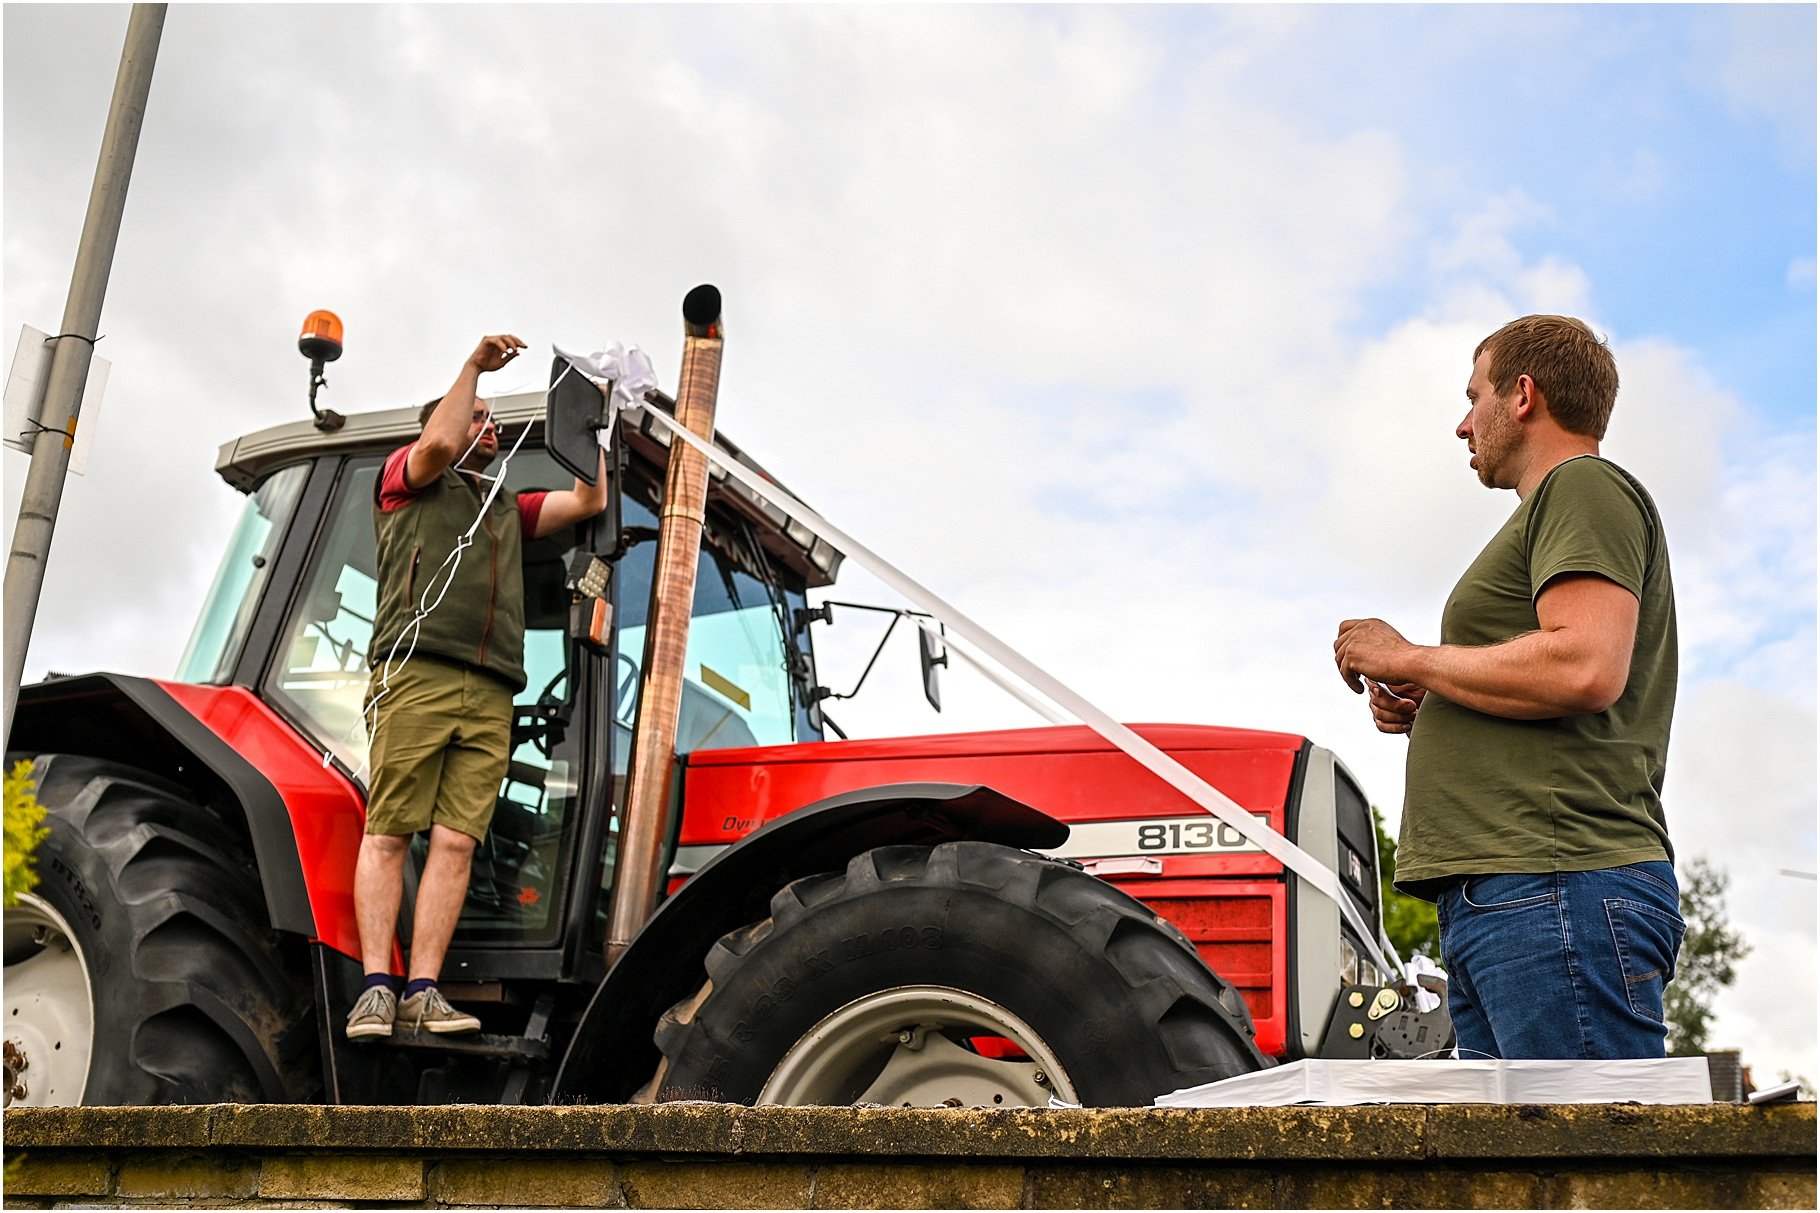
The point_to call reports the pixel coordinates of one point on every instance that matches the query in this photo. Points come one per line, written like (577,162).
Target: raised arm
(453,425)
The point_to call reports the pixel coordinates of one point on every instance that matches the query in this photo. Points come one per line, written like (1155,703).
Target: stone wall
(720,1156)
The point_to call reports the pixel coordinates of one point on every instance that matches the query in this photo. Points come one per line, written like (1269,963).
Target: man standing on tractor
(447,658)
(1538,727)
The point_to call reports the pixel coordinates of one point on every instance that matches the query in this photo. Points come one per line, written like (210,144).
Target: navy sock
(377,979)
(419,986)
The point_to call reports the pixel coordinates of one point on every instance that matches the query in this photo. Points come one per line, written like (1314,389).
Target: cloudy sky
(1139,334)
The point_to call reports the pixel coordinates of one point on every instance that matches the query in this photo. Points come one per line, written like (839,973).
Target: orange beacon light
(320,342)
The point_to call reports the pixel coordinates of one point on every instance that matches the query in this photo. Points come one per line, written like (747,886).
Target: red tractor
(1003,918)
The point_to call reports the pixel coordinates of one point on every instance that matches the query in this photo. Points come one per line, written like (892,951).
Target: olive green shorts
(440,747)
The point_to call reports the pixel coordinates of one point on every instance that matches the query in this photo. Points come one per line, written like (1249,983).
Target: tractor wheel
(968,974)
(143,968)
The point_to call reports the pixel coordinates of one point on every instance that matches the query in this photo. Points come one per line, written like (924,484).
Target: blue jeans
(1561,964)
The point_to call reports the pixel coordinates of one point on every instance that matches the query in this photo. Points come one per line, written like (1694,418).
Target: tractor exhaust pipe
(646,823)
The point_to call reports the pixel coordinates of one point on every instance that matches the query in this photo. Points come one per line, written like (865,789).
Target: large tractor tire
(143,968)
(964,975)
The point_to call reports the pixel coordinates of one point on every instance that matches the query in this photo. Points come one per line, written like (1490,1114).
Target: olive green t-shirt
(1485,794)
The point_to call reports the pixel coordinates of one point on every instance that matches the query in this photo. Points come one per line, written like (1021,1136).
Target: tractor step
(476,1044)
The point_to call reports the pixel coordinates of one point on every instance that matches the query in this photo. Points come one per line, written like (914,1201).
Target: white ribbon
(1156,761)
(630,371)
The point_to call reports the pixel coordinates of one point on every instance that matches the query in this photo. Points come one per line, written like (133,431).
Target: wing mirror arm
(930,651)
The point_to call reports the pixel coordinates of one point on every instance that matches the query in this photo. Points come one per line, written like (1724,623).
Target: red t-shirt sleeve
(393,491)
(530,505)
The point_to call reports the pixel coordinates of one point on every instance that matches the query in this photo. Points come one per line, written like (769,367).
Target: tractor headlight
(1349,963)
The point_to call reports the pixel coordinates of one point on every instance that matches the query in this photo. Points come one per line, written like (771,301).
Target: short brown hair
(1569,362)
(423,414)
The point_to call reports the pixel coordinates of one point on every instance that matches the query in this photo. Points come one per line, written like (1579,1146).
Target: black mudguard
(135,721)
(612,1053)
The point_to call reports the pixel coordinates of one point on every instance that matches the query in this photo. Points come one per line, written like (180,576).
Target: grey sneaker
(428,1011)
(373,1013)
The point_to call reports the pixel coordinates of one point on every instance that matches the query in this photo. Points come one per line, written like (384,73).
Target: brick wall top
(1365,1134)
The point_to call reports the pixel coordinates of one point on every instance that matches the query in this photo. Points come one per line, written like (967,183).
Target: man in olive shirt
(1538,727)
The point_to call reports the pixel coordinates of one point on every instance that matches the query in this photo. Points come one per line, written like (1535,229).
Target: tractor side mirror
(932,653)
(575,411)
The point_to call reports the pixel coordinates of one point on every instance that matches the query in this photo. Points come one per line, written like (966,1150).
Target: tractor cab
(290,617)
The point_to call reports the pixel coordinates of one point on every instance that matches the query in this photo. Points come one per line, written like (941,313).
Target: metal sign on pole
(74,343)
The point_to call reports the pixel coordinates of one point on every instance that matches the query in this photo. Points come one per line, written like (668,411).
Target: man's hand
(1372,648)
(451,427)
(1393,705)
(494,352)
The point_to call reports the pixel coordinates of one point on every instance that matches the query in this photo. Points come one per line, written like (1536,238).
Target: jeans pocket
(1648,941)
(1509,892)
(1641,871)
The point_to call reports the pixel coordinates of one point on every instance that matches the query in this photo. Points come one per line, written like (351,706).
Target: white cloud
(1762,72)
(1740,792)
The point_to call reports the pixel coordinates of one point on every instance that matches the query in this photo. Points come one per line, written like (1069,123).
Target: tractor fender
(137,722)
(612,1053)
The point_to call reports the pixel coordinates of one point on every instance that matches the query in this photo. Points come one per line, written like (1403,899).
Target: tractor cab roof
(246,460)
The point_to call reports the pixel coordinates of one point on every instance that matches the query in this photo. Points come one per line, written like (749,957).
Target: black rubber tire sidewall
(224,1023)
(1119,1034)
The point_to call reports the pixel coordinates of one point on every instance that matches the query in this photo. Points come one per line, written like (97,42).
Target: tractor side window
(320,683)
(737,687)
(228,610)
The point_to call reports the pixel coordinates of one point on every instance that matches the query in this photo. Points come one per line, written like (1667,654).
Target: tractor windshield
(228,610)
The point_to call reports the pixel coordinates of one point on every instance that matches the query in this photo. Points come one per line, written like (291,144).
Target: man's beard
(1496,442)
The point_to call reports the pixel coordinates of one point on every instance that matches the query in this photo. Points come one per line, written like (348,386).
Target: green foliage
(1710,952)
(24,828)
(1409,921)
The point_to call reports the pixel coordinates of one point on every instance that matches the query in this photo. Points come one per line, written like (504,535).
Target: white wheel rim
(899,1046)
(50,1008)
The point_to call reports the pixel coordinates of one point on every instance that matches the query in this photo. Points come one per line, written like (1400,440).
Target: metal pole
(646,826)
(75,342)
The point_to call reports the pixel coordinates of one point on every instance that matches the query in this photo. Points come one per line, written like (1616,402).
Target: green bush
(24,829)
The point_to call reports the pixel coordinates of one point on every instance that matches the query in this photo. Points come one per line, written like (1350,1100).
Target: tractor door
(318,680)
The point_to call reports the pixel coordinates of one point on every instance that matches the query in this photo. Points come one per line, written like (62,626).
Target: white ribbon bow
(629,370)
(1416,968)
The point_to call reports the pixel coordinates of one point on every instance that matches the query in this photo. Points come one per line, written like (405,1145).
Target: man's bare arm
(450,426)
(1576,661)
(569,506)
